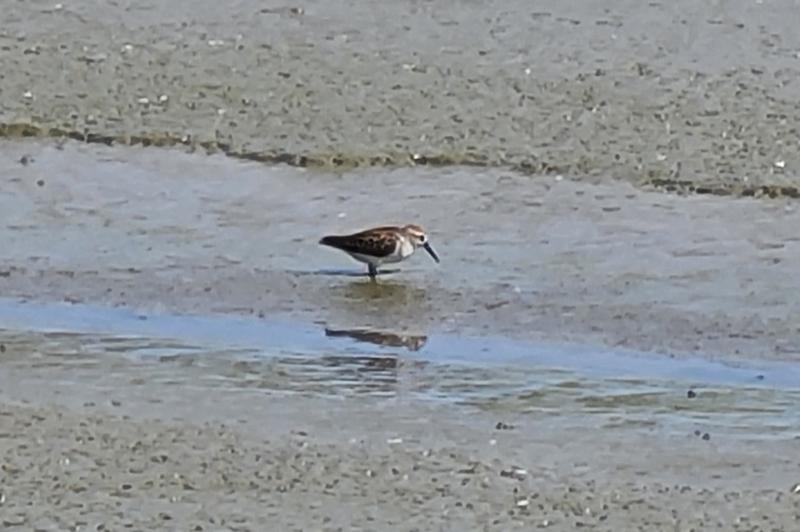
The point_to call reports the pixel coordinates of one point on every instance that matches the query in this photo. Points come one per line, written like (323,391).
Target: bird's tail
(331,240)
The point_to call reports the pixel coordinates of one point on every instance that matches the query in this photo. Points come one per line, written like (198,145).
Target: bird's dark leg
(373,271)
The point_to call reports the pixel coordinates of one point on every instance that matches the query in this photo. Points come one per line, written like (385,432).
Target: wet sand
(535,143)
(104,471)
(554,260)
(676,95)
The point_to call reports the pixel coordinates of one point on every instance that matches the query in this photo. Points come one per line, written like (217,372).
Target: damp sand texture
(677,95)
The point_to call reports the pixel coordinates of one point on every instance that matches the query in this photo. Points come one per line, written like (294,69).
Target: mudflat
(535,143)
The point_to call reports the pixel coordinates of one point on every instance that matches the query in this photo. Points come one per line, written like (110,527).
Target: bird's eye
(422,239)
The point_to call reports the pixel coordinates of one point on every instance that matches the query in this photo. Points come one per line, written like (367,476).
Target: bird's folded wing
(363,244)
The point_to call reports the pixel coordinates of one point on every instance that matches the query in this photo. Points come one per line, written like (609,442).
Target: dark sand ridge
(685,95)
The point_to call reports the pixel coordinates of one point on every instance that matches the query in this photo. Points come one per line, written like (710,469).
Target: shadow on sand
(349,273)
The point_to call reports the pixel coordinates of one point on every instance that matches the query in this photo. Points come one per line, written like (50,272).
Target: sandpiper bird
(380,245)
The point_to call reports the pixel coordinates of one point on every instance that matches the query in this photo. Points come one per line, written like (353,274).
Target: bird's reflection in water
(382,371)
(377,373)
(384,339)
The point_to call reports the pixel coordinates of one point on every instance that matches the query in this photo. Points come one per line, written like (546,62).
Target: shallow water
(257,336)
(112,350)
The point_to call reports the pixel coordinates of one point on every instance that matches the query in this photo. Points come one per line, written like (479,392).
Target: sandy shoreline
(705,103)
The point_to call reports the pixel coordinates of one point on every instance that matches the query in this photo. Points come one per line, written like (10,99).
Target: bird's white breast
(405,249)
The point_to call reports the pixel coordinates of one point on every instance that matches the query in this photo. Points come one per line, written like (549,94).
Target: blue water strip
(282,336)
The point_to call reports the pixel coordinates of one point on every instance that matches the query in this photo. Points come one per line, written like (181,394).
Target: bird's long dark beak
(430,251)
